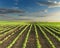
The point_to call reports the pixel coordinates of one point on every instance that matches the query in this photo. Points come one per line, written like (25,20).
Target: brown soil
(43,41)
(20,41)
(32,39)
(7,42)
(53,39)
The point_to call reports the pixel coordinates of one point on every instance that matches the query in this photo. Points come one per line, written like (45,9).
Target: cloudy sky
(30,10)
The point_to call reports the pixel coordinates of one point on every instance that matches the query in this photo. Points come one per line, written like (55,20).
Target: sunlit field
(29,34)
(29,23)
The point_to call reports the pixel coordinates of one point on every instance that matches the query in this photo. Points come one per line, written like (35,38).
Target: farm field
(30,35)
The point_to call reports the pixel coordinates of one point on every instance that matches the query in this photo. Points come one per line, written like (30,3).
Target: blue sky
(36,10)
(27,5)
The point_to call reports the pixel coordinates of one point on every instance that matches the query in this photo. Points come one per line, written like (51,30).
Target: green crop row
(53,30)
(6,29)
(13,42)
(9,36)
(52,34)
(56,28)
(37,38)
(9,31)
(27,36)
(47,37)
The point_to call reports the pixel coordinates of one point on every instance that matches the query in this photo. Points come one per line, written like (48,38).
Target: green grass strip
(53,34)
(53,46)
(26,39)
(13,42)
(37,38)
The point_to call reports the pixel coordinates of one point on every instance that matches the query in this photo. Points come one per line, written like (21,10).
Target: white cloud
(38,13)
(50,4)
(36,16)
(57,13)
(49,17)
(5,11)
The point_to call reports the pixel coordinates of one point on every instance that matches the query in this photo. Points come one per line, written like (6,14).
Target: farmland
(30,35)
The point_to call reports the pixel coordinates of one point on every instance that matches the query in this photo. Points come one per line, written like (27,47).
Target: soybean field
(29,36)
